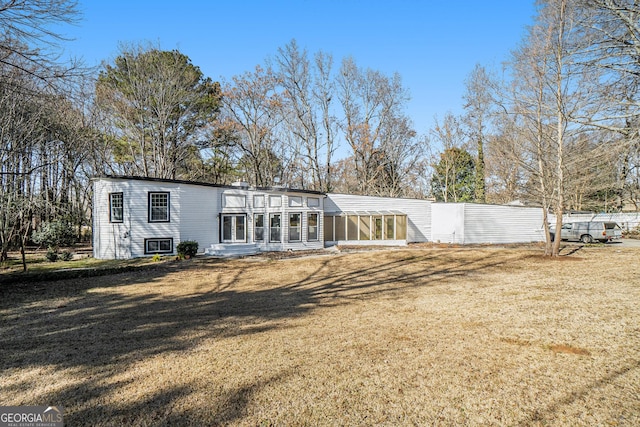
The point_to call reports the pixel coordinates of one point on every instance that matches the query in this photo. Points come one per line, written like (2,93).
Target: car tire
(586,238)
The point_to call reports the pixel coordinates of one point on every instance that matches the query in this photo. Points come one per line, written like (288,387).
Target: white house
(135,217)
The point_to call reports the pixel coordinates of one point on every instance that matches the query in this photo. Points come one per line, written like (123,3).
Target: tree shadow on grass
(86,325)
(548,414)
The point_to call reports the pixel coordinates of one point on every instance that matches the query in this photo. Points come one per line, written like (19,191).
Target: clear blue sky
(433,45)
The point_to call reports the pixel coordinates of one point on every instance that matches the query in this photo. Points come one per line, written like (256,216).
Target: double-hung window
(116,207)
(312,227)
(234,228)
(274,227)
(295,227)
(158,207)
(258,227)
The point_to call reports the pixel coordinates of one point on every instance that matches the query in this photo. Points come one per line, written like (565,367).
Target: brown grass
(413,336)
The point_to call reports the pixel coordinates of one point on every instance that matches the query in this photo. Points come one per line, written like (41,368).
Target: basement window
(158,246)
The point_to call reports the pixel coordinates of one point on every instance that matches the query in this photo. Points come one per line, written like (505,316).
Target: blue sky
(433,45)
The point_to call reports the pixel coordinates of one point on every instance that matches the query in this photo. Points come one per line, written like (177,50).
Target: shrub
(66,256)
(52,254)
(187,248)
(56,233)
(156,258)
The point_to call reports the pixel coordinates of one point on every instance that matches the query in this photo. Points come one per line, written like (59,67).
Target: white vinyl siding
(470,223)
(127,238)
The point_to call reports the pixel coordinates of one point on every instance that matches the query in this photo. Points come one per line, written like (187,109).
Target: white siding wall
(447,222)
(199,208)
(502,224)
(469,223)
(418,211)
(126,239)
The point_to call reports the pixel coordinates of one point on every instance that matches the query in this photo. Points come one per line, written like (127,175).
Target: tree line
(556,127)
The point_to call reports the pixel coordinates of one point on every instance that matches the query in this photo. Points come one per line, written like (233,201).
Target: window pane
(227,227)
(259,234)
(159,207)
(295,201)
(313,202)
(294,227)
(328,228)
(340,228)
(401,227)
(312,226)
(116,207)
(240,228)
(274,228)
(352,228)
(258,227)
(294,220)
(377,228)
(388,232)
(364,227)
(275,201)
(158,246)
(258,201)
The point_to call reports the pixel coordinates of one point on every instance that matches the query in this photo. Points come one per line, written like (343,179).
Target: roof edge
(205,184)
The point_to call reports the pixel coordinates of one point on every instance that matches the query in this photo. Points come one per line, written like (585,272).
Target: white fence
(628,221)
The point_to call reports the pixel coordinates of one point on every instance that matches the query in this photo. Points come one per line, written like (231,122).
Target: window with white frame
(275,201)
(234,201)
(258,201)
(234,229)
(258,227)
(158,207)
(116,207)
(295,201)
(295,227)
(275,227)
(158,246)
(312,226)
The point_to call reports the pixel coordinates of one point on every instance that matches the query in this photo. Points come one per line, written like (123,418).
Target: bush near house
(187,248)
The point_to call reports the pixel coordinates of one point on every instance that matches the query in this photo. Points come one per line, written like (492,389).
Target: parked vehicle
(589,231)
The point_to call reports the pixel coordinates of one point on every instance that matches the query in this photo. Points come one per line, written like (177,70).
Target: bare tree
(252,111)
(375,126)
(307,95)
(30,37)
(479,105)
(611,48)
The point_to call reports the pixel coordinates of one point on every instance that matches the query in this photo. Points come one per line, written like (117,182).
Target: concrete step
(231,249)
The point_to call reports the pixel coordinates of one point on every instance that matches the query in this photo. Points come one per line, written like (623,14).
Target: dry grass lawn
(415,336)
